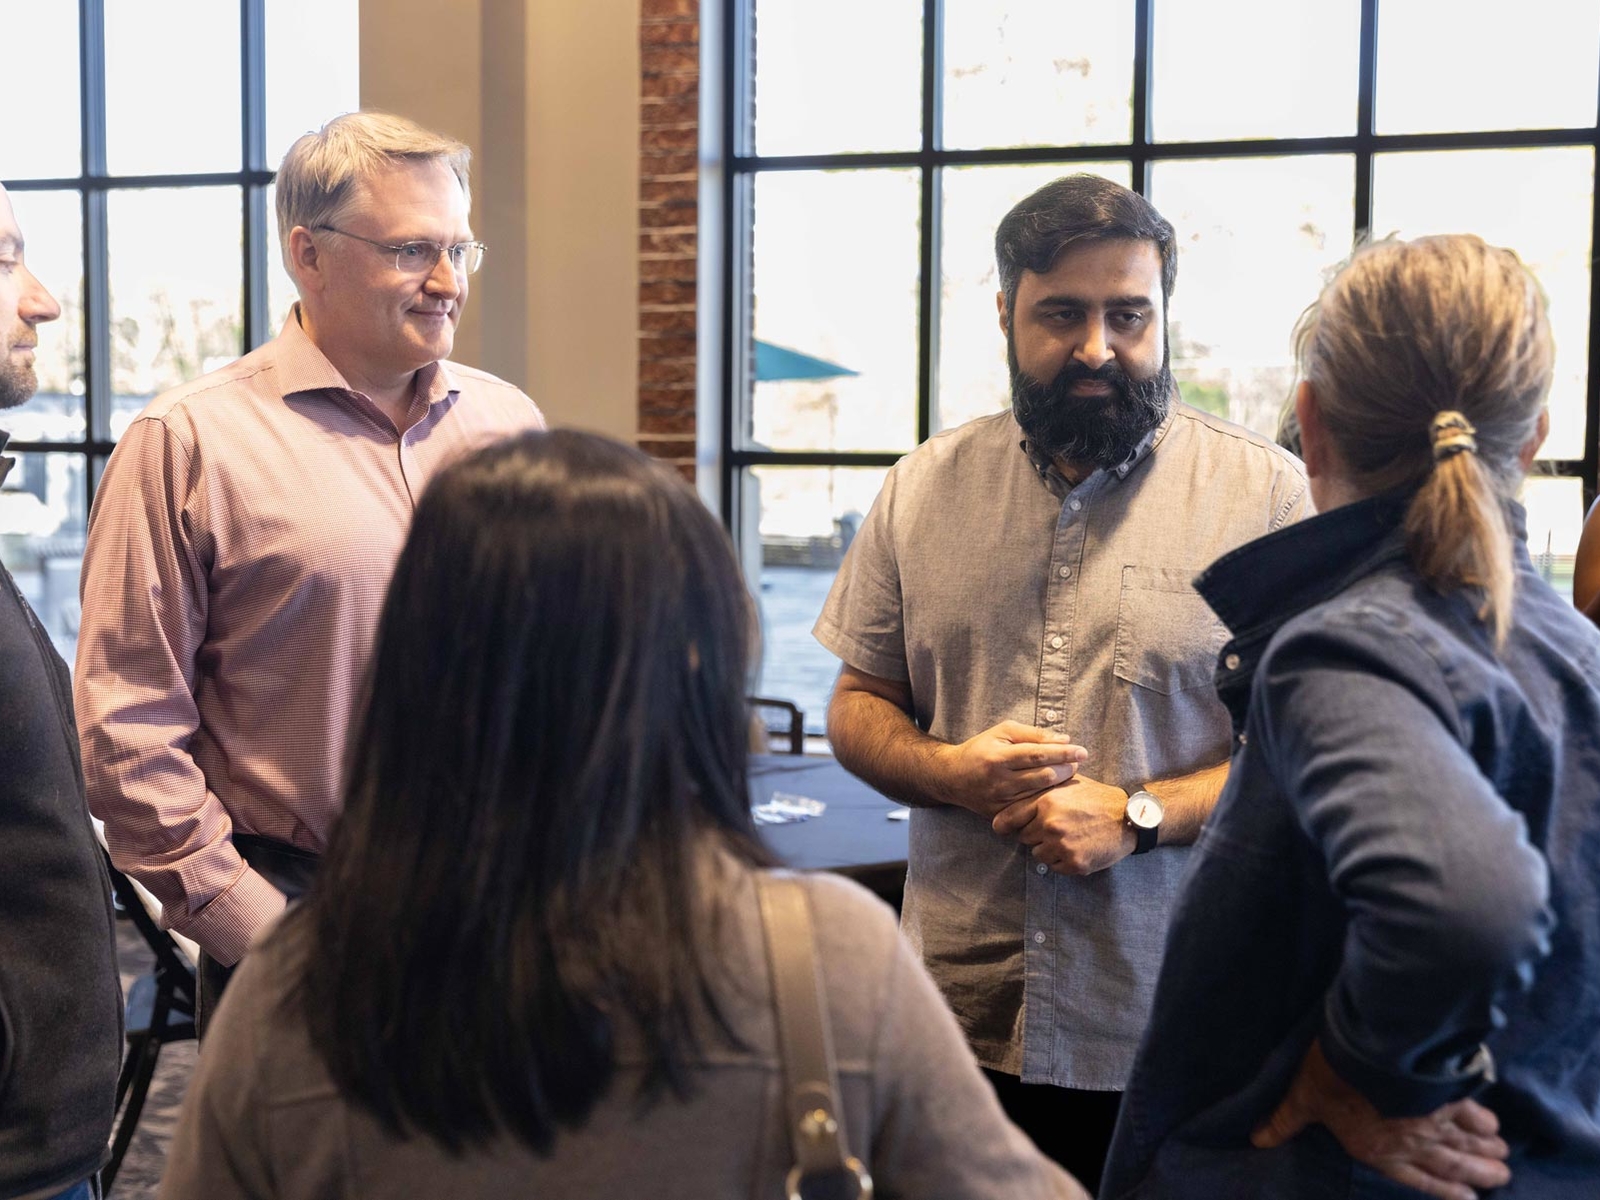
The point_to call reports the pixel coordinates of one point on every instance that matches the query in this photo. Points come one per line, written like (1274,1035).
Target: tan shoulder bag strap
(824,1167)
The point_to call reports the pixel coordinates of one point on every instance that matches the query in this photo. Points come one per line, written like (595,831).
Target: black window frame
(94,185)
(733,22)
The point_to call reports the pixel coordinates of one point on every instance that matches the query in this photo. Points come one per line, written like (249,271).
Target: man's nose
(36,304)
(444,280)
(1095,349)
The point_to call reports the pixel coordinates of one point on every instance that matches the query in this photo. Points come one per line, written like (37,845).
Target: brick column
(669,53)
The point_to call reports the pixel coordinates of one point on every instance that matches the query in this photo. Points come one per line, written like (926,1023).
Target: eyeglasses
(419,258)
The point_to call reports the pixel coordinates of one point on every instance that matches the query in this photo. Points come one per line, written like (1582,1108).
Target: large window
(875,144)
(141,175)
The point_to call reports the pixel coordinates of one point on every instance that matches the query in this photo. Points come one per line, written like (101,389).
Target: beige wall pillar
(546,92)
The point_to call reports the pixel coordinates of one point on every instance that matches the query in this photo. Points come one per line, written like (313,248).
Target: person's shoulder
(991,437)
(480,384)
(1548,625)
(849,919)
(1219,436)
(480,378)
(996,429)
(839,894)
(193,401)
(1388,624)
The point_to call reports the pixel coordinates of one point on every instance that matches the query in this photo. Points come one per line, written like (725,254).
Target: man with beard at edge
(60,998)
(1027,664)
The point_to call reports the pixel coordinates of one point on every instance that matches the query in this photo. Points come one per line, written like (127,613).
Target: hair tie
(1451,434)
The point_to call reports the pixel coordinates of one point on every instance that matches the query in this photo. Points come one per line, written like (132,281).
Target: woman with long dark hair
(1383,977)
(532,962)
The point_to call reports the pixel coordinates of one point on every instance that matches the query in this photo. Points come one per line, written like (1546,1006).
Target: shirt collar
(1262,586)
(303,367)
(1265,583)
(6,463)
(1057,483)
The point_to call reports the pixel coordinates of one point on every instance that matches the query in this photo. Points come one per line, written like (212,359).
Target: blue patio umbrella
(774,363)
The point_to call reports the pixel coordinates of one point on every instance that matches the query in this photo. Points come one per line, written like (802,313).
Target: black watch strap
(1144,840)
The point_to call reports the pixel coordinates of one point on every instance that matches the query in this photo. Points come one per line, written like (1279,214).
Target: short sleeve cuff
(858,654)
(227,925)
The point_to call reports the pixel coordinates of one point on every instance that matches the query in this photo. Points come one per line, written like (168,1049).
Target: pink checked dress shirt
(238,553)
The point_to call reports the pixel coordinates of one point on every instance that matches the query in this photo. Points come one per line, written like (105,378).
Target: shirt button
(1038,938)
(1231,662)
(1074,505)
(1049,714)
(1064,572)
(1042,869)
(1056,642)
(1244,739)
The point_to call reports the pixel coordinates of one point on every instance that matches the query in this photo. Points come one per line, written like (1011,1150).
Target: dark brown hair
(554,736)
(1072,210)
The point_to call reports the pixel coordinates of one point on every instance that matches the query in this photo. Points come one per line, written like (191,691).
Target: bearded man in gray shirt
(1027,664)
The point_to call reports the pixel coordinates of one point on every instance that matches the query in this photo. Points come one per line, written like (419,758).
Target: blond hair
(1441,327)
(321,169)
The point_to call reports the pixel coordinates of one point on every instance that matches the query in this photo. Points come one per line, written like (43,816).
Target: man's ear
(1313,435)
(1000,306)
(1530,448)
(306,263)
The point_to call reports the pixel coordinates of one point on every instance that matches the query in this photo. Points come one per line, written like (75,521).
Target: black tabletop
(853,836)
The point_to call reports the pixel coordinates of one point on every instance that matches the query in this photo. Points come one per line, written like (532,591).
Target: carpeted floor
(147,1153)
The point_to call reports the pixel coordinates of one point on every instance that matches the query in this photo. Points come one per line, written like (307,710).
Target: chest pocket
(1167,636)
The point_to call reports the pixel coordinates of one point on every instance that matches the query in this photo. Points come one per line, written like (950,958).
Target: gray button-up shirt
(999,594)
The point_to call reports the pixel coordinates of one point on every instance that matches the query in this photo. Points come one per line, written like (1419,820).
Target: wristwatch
(1144,814)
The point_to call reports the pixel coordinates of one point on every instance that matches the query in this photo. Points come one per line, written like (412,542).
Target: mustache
(1077,372)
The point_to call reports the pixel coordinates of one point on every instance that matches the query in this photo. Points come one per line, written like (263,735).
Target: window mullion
(932,207)
(736,137)
(1366,99)
(1143,73)
(96,263)
(253,107)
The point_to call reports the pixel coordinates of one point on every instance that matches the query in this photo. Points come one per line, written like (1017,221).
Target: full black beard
(1103,430)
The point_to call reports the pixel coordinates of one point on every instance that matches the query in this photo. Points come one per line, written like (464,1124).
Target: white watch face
(1144,810)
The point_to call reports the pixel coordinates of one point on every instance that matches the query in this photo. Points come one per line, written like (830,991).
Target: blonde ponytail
(1455,528)
(1431,361)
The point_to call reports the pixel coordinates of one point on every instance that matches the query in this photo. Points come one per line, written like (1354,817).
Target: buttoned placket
(411,471)
(1053,711)
(1060,608)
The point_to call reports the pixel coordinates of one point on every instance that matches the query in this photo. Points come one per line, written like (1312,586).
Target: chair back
(781,720)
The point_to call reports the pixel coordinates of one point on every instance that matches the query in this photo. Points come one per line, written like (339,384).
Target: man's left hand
(1449,1153)
(1076,828)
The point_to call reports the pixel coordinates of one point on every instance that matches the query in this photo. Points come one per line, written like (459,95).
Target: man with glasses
(60,1034)
(246,528)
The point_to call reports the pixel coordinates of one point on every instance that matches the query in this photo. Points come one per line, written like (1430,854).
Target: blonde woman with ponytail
(1383,978)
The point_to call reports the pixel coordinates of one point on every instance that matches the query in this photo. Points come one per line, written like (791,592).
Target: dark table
(853,837)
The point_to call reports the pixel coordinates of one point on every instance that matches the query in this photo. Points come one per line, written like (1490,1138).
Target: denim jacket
(1404,864)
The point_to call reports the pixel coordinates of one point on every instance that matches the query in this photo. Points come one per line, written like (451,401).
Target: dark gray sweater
(60,998)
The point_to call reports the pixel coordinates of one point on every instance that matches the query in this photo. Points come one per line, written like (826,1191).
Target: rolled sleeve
(1446,901)
(144,598)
